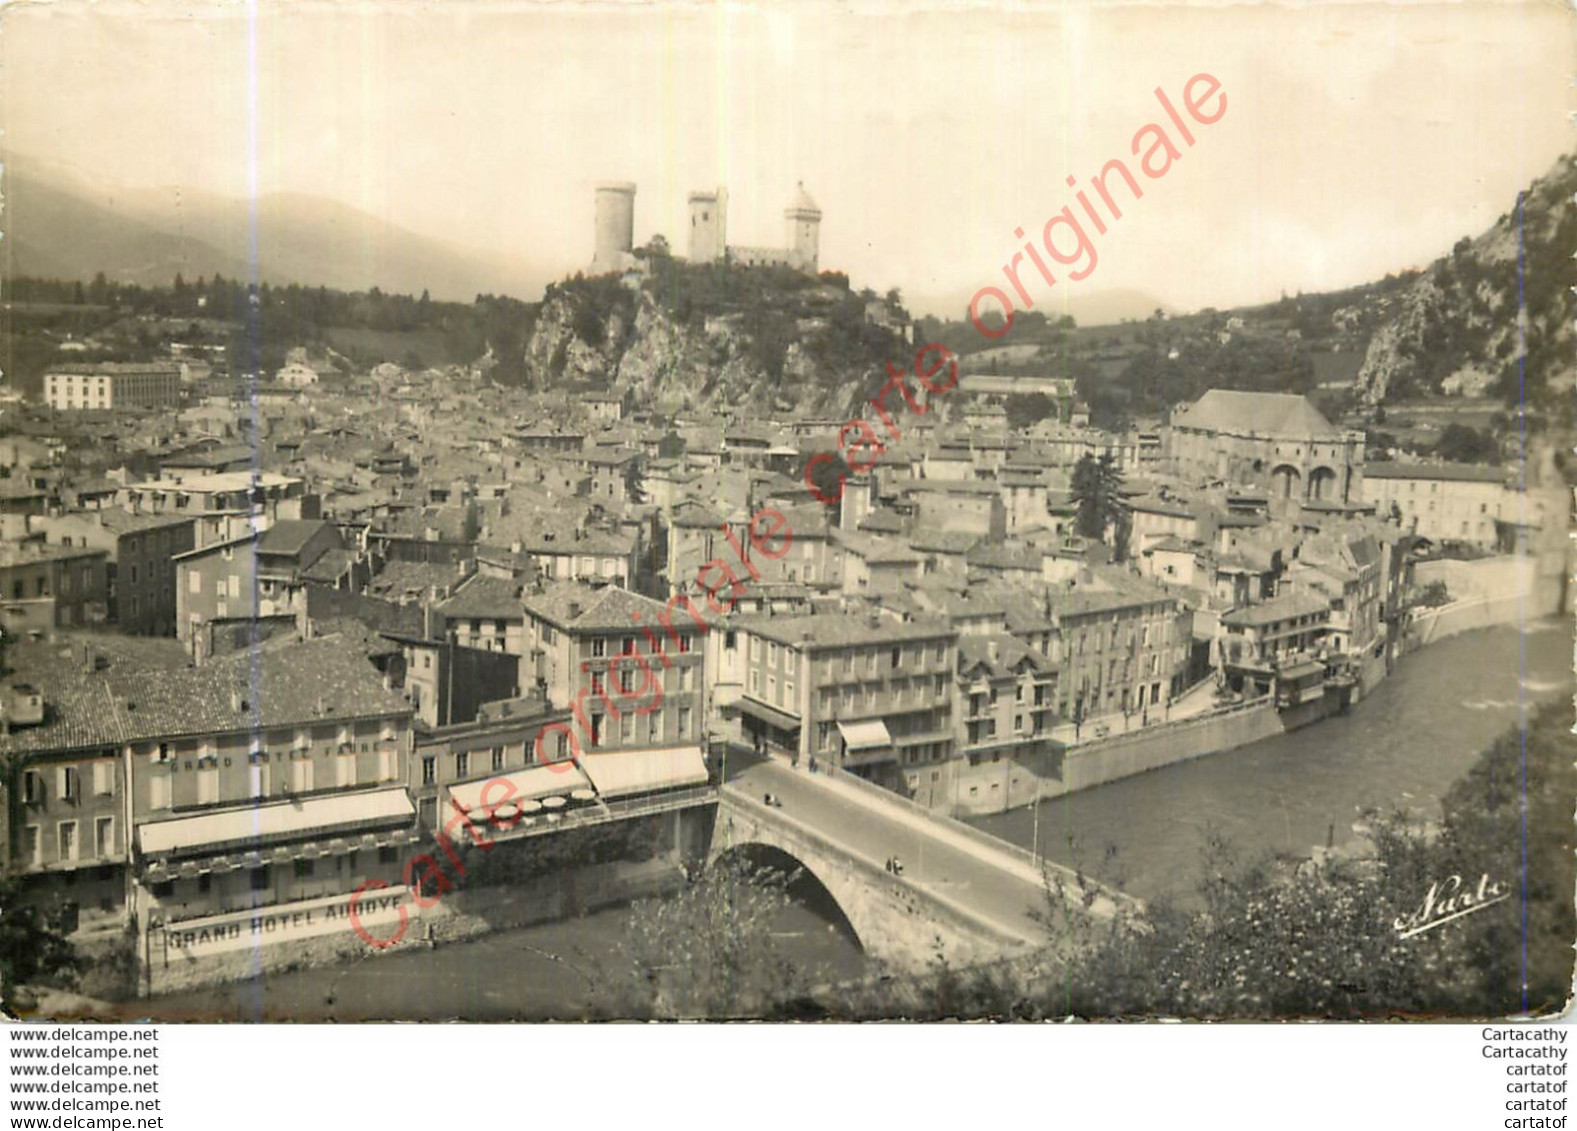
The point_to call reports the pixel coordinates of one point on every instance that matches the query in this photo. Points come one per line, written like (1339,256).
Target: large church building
(1276,442)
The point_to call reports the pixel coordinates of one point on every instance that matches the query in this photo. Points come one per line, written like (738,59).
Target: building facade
(113,385)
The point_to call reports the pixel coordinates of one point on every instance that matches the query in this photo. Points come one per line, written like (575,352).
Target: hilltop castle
(615,231)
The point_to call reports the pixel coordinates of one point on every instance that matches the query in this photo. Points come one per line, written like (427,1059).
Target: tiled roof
(401,578)
(314,681)
(122,521)
(1448,472)
(975,650)
(576,607)
(823,630)
(1272,414)
(1282,608)
(497,598)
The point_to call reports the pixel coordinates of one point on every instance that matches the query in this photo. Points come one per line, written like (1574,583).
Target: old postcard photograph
(817,512)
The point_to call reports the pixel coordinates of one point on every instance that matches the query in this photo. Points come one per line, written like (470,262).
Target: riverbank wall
(1487,593)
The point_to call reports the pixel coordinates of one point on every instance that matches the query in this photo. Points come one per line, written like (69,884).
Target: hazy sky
(1358,139)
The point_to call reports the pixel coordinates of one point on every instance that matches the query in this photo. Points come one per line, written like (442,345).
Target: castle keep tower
(615,226)
(804,230)
(708,225)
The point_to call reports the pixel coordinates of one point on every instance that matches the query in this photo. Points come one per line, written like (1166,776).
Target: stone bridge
(896,919)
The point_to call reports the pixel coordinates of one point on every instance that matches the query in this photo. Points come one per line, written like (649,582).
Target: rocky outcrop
(813,348)
(1496,305)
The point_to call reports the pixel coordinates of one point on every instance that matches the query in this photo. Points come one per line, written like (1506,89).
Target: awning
(1302,670)
(275,821)
(642,771)
(530,783)
(770,715)
(865,735)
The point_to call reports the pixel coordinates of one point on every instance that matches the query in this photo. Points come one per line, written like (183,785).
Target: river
(1404,745)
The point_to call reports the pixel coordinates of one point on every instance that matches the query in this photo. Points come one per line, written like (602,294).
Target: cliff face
(1461,325)
(686,339)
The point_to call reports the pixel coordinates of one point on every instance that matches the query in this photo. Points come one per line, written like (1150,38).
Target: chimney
(991,650)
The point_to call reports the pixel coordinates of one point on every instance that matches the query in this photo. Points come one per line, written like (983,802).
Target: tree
(1096,489)
(707,952)
(1330,938)
(829,477)
(1462,443)
(1028,409)
(32,949)
(635,480)
(671,446)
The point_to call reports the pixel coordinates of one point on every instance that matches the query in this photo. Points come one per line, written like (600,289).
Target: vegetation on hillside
(256,324)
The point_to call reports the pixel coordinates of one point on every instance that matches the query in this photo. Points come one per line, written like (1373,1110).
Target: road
(997,886)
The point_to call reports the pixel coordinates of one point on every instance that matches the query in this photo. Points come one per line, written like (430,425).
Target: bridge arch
(803,884)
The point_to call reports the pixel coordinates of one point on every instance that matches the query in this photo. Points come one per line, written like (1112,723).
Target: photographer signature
(1450,900)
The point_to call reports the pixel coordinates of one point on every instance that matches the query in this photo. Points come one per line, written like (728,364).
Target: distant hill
(1088,308)
(66,227)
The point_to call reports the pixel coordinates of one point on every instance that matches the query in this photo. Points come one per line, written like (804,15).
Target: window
(627,727)
(32,846)
(345,770)
(104,837)
(498,758)
(686,679)
(258,779)
(685,642)
(897,658)
(684,722)
(208,786)
(68,840)
(304,869)
(388,856)
(429,770)
(386,765)
(194,582)
(32,787)
(159,792)
(655,726)
(755,682)
(599,647)
(772,689)
(301,775)
(462,764)
(69,784)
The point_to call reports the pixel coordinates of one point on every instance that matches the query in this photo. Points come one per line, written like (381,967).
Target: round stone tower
(615,235)
(804,230)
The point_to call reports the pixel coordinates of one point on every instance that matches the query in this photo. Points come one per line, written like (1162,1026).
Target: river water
(1402,746)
